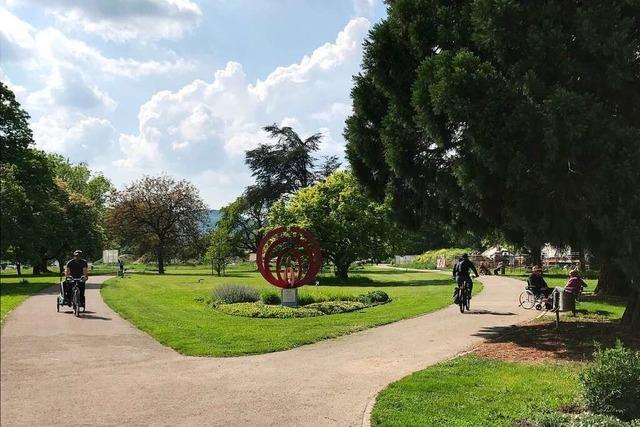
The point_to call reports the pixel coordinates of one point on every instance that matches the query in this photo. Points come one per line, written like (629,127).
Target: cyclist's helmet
(77,252)
(465,256)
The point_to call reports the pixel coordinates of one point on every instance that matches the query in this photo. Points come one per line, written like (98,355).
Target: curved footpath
(57,369)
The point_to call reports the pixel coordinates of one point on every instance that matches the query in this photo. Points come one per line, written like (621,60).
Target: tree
(515,117)
(157,214)
(346,223)
(220,249)
(279,169)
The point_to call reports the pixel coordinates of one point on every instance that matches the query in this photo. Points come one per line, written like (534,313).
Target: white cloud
(364,8)
(123,20)
(78,136)
(203,129)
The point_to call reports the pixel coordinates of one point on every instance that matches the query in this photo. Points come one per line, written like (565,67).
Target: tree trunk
(611,280)
(160,260)
(631,316)
(536,255)
(342,270)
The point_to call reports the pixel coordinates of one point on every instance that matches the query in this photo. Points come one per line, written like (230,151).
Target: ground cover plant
(473,391)
(171,308)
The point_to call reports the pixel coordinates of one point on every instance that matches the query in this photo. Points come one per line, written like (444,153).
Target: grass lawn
(170,308)
(472,391)
(14,289)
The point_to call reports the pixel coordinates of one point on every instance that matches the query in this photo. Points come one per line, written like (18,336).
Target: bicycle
(463,297)
(74,300)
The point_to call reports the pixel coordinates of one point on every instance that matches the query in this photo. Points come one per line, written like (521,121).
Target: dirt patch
(541,342)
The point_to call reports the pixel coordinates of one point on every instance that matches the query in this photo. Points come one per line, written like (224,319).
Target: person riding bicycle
(461,273)
(537,284)
(77,268)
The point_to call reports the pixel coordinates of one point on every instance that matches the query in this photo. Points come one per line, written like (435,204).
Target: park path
(100,370)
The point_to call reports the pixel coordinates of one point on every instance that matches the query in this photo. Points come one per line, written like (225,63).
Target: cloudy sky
(135,87)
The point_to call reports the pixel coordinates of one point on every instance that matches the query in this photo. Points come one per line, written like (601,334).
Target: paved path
(57,369)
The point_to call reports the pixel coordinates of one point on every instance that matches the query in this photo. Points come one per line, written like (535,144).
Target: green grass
(471,391)
(167,308)
(14,290)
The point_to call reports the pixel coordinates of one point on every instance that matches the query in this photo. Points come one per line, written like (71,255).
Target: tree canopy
(157,215)
(49,206)
(508,116)
(348,225)
(280,169)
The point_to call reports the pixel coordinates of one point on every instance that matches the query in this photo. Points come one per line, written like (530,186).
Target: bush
(270,297)
(267,311)
(611,385)
(451,254)
(335,307)
(230,294)
(373,297)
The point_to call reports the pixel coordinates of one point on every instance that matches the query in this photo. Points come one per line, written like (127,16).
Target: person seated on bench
(575,284)
(537,284)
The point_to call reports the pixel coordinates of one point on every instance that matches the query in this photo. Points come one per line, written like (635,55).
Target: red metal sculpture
(296,254)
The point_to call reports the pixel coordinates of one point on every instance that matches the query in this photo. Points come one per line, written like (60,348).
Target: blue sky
(183,87)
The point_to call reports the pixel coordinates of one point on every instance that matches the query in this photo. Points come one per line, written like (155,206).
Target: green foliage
(49,205)
(611,385)
(267,311)
(373,297)
(486,115)
(429,258)
(270,297)
(335,307)
(231,294)
(220,248)
(158,216)
(346,223)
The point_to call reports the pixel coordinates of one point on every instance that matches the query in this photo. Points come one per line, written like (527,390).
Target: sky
(182,87)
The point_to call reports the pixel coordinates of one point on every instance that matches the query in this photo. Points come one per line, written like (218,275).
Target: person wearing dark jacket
(537,284)
(461,272)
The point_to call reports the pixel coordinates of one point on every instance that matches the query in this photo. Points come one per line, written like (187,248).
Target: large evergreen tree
(514,116)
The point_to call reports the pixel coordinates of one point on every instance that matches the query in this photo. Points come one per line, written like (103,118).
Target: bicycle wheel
(76,303)
(527,300)
(462,302)
(467,302)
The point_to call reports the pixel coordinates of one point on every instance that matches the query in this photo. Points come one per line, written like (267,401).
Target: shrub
(335,307)
(270,297)
(305,298)
(373,297)
(267,311)
(430,258)
(230,294)
(611,385)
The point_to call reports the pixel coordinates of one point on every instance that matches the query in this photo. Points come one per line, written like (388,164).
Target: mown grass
(471,391)
(170,308)
(14,290)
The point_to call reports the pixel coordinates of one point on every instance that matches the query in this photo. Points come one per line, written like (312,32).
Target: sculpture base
(290,297)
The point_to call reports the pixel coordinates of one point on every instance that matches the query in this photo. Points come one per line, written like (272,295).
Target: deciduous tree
(157,213)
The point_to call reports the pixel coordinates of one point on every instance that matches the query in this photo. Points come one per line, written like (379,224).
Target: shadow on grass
(573,341)
(494,313)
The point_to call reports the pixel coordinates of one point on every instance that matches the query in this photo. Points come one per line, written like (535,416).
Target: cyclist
(77,268)
(461,273)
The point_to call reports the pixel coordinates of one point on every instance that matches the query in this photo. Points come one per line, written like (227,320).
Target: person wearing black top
(77,268)
(537,284)
(461,272)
